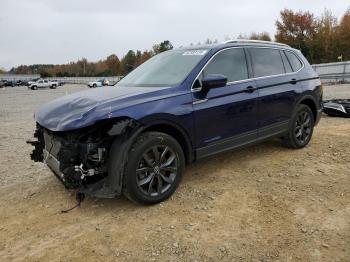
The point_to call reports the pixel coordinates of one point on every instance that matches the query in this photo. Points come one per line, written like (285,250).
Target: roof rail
(253,41)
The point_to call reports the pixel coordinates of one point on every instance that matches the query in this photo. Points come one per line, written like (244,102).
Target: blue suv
(136,137)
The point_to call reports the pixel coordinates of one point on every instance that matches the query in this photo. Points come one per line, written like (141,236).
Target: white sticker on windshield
(195,52)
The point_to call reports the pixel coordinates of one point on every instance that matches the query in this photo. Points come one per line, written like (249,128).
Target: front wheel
(154,169)
(301,128)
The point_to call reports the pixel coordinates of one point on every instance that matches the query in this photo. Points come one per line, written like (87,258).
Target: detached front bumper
(340,107)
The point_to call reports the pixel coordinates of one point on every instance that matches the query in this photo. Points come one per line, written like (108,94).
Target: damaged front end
(80,158)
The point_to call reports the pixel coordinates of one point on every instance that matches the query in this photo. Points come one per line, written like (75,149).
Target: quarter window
(266,62)
(230,63)
(294,61)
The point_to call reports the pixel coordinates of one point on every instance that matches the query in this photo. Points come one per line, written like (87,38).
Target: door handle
(250,89)
(199,101)
(293,81)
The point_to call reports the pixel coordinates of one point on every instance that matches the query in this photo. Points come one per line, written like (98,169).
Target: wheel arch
(310,102)
(176,132)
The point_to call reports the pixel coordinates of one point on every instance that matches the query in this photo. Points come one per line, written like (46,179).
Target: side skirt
(243,140)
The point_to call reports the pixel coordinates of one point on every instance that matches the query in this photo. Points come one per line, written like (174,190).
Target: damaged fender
(112,185)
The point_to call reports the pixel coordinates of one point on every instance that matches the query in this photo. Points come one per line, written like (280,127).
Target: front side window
(166,69)
(266,62)
(294,61)
(230,63)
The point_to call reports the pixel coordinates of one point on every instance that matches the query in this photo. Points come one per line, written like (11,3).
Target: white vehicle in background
(43,83)
(98,83)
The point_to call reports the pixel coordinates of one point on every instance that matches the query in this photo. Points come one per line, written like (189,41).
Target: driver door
(46,83)
(225,117)
(41,83)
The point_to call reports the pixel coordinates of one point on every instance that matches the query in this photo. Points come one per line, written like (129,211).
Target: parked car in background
(32,81)
(20,82)
(59,83)
(98,83)
(178,107)
(10,83)
(43,83)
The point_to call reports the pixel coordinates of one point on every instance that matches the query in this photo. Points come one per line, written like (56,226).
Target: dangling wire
(80,198)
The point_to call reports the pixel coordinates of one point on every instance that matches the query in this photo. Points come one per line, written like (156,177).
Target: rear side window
(230,63)
(266,62)
(294,61)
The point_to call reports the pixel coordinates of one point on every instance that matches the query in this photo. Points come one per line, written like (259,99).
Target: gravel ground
(263,203)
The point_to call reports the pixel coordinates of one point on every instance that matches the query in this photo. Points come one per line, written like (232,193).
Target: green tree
(163,46)
(264,36)
(128,62)
(343,35)
(324,44)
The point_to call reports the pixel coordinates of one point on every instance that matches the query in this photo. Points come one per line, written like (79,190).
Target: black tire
(53,87)
(34,88)
(300,129)
(162,173)
(94,85)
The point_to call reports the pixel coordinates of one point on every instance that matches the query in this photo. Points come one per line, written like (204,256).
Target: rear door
(226,116)
(278,90)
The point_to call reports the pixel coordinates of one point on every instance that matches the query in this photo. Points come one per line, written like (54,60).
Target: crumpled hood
(84,108)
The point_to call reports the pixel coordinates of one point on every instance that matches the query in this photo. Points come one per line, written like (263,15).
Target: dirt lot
(264,203)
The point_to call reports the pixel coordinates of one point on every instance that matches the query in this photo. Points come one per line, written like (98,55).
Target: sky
(60,31)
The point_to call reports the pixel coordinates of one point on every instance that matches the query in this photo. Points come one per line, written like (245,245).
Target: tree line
(321,39)
(110,66)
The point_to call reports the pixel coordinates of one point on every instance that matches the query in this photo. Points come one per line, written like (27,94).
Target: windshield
(165,69)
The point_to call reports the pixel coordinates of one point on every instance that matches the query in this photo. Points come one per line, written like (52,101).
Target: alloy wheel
(157,170)
(303,127)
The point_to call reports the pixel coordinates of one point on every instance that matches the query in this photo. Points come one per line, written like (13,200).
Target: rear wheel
(34,88)
(154,170)
(301,128)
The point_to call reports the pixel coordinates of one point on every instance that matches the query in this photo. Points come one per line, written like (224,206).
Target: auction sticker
(195,52)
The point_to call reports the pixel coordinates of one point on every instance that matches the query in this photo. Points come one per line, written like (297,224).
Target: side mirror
(213,81)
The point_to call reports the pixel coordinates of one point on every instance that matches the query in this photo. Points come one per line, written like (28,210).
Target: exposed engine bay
(79,158)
